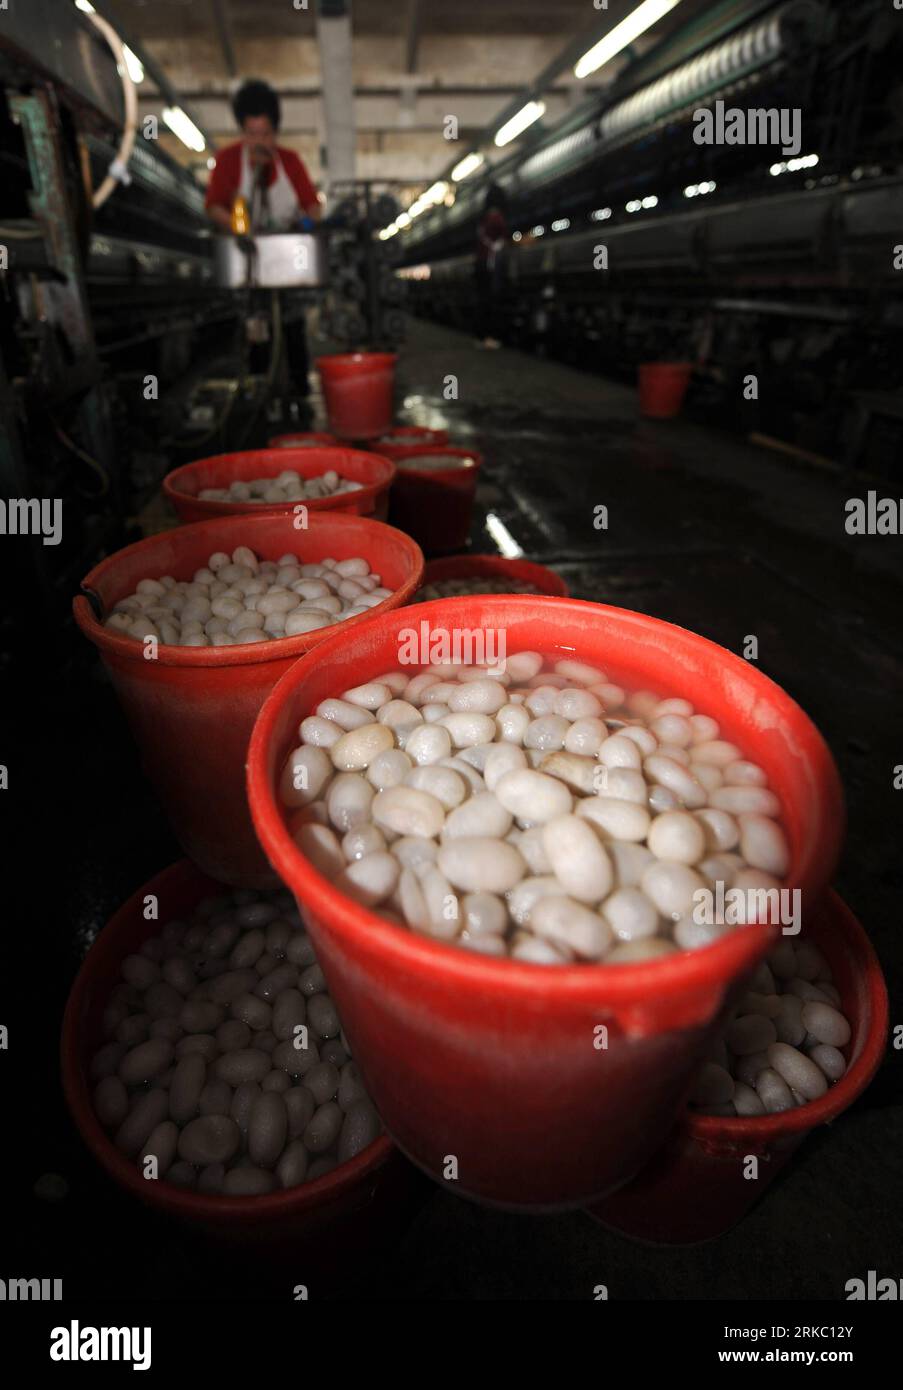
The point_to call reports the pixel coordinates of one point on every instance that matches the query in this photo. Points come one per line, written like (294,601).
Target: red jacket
(492,228)
(222,187)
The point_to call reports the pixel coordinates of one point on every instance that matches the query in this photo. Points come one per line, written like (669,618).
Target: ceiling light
(402,220)
(437,192)
(517,236)
(651,201)
(538,231)
(561,225)
(601,214)
(184,128)
(634,205)
(636,23)
(519,123)
(467,166)
(134,65)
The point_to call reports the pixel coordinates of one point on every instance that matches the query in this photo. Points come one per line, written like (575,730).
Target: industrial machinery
(111,312)
(634,242)
(363,303)
(126,342)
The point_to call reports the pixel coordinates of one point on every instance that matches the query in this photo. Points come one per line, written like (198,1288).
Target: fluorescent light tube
(636,23)
(184,128)
(467,166)
(518,124)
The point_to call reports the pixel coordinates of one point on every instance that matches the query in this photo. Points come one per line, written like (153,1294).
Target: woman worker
(272,180)
(279,195)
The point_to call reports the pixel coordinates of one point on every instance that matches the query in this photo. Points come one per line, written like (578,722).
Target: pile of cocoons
(289,486)
(534,810)
(476,584)
(783,1046)
(238,598)
(225,1060)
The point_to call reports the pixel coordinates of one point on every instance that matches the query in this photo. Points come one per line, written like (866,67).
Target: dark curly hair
(496,198)
(256,98)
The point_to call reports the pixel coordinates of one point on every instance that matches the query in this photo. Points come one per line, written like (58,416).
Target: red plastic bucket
(435,505)
(192,709)
(305,439)
(663,386)
(353,1189)
(696,1187)
(494,567)
(493,1061)
(409,434)
(374,472)
(358,388)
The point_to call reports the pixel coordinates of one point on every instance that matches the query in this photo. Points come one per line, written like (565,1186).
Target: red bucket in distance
(496,1061)
(306,439)
(434,505)
(698,1186)
(496,568)
(663,386)
(372,471)
(353,1190)
(192,709)
(358,388)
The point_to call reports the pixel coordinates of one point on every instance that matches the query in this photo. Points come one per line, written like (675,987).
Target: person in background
(280,197)
(492,236)
(272,179)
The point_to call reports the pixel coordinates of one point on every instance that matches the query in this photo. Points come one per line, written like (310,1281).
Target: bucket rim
(355,359)
(303,460)
(401,453)
(449,566)
(414,434)
(87,603)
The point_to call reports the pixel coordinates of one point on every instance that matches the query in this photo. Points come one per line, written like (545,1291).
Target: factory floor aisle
(695,535)
(731,541)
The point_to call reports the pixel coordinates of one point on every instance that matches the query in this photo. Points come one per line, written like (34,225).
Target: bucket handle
(94,600)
